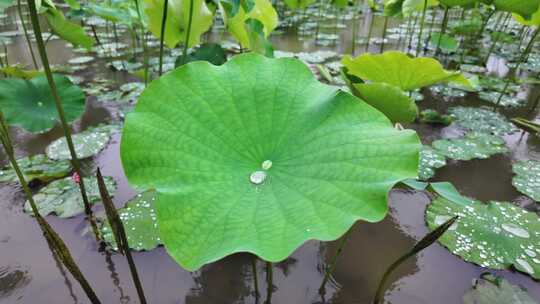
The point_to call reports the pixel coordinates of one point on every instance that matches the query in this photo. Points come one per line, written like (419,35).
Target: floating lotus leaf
(178,20)
(29,103)
(490,289)
(63,197)
(87,143)
(429,161)
(431,116)
(390,100)
(506,101)
(482,121)
(36,167)
(496,235)
(473,145)
(527,179)
(257,156)
(400,70)
(139,219)
(211,52)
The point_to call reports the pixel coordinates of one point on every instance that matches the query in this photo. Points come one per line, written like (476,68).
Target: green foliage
(482,120)
(462,3)
(211,52)
(473,145)
(178,20)
(495,235)
(139,219)
(29,103)
(431,116)
(445,42)
(36,167)
(527,178)
(398,69)
(87,143)
(429,161)
(63,197)
(524,8)
(257,156)
(390,100)
(490,289)
(5,4)
(67,30)
(298,4)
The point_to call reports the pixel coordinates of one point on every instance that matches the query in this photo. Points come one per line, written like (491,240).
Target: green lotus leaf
(63,197)
(524,8)
(431,116)
(140,225)
(445,42)
(298,4)
(87,143)
(67,30)
(473,145)
(490,289)
(393,7)
(398,69)
(178,20)
(429,161)
(30,105)
(19,71)
(390,100)
(36,167)
(211,52)
(533,21)
(412,6)
(462,3)
(258,156)
(495,235)
(5,4)
(448,191)
(262,10)
(527,178)
(482,120)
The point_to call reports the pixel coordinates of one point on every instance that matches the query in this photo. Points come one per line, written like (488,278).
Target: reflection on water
(13,278)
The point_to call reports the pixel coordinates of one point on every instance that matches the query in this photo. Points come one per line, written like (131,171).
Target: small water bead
(525,265)
(267,164)
(516,230)
(40,104)
(257,177)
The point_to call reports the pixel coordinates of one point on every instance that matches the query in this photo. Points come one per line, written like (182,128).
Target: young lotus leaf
(211,52)
(178,20)
(490,289)
(36,167)
(298,4)
(87,143)
(473,145)
(63,197)
(412,6)
(67,30)
(429,161)
(524,8)
(139,219)
(482,120)
(262,10)
(390,100)
(445,42)
(495,235)
(258,156)
(431,116)
(527,179)
(29,103)
(398,69)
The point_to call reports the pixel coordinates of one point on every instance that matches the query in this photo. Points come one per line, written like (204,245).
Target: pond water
(30,274)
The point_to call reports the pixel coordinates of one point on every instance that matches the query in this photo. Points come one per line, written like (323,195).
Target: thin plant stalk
(94,33)
(422,21)
(355,27)
(496,40)
(425,242)
(25,30)
(332,266)
(186,42)
(370,31)
(413,30)
(61,115)
(143,39)
(162,36)
(444,25)
(255,278)
(385,27)
(269,282)
(58,246)
(432,23)
(119,233)
(522,59)
(319,18)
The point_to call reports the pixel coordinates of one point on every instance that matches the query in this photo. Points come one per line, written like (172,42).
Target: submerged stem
(61,115)
(269,282)
(330,269)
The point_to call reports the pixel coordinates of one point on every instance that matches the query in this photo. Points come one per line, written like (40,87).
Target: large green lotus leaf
(262,10)
(178,20)
(533,21)
(496,235)
(67,30)
(525,8)
(398,69)
(298,4)
(412,6)
(527,178)
(482,120)
(63,197)
(258,156)
(490,289)
(29,103)
(390,100)
(36,167)
(429,161)
(462,3)
(139,219)
(87,143)
(473,145)
(393,7)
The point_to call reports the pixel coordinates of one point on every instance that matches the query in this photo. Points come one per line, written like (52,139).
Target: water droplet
(257,177)
(40,104)
(516,230)
(530,253)
(525,265)
(441,219)
(267,164)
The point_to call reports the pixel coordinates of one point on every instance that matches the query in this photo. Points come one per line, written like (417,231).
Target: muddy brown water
(29,273)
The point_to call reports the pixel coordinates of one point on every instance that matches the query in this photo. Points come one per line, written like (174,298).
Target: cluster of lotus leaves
(258,156)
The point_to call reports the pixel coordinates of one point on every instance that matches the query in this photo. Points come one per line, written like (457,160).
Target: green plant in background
(252,164)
